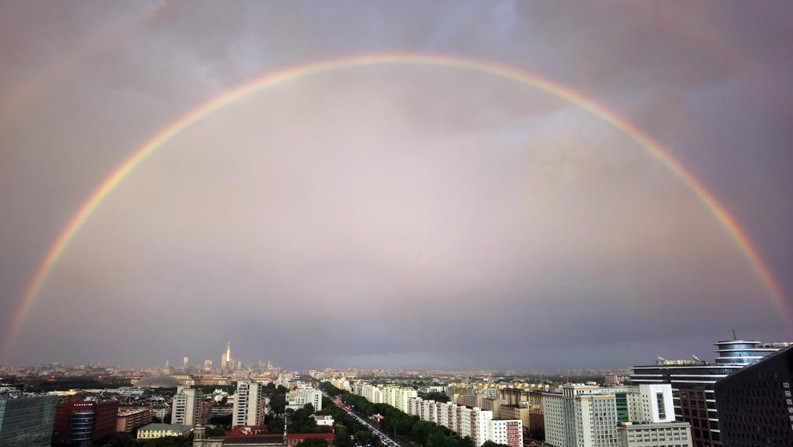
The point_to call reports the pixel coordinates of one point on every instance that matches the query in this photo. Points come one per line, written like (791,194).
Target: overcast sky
(394,215)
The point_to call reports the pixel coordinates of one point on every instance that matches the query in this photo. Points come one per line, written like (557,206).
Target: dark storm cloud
(394,216)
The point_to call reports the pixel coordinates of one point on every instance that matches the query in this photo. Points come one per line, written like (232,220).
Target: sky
(394,215)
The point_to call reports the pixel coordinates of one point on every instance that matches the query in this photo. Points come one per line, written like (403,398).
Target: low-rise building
(130,418)
(153,431)
(667,434)
(324,420)
(85,420)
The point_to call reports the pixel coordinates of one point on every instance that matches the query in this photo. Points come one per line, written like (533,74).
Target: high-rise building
(693,383)
(398,396)
(756,403)
(250,404)
(186,406)
(588,416)
(85,420)
(26,421)
(581,416)
(225,359)
(506,431)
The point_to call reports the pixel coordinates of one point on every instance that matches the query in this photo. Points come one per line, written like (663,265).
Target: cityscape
(455,223)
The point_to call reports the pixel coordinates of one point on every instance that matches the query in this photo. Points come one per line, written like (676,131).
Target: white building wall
(506,431)
(249,404)
(185,406)
(554,419)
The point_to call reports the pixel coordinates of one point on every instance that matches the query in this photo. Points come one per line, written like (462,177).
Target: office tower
(208,364)
(185,359)
(693,383)
(755,404)
(250,404)
(84,420)
(186,406)
(581,416)
(26,421)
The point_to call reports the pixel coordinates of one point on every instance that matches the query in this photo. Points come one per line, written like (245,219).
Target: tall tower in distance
(225,359)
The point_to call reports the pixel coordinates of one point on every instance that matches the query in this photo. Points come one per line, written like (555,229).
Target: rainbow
(141,154)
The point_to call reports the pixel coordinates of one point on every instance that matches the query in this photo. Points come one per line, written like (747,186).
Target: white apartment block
(250,404)
(303,396)
(371,393)
(506,431)
(398,396)
(341,383)
(447,414)
(464,421)
(186,406)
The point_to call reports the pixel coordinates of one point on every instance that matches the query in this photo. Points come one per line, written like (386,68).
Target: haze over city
(466,191)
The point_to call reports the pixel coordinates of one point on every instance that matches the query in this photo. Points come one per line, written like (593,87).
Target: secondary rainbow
(728,222)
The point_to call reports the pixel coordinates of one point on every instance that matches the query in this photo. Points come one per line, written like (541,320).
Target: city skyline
(510,185)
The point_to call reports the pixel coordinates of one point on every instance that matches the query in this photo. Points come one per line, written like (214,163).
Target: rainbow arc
(195,116)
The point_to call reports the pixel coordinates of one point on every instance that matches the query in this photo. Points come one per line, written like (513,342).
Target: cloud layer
(393,215)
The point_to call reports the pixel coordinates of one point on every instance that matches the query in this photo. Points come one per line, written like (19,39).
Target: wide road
(384,438)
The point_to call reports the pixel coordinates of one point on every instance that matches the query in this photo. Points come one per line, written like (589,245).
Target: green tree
(493,444)
(119,440)
(313,442)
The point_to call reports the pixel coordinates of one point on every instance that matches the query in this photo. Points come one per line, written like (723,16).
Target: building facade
(153,431)
(250,404)
(668,434)
(130,418)
(693,383)
(588,416)
(756,403)
(26,421)
(302,396)
(581,416)
(506,431)
(83,420)
(186,406)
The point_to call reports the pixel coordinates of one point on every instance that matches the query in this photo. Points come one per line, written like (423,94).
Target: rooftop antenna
(733,335)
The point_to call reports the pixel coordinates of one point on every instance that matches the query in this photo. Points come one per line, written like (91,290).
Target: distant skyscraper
(27,421)
(225,359)
(186,406)
(756,403)
(250,404)
(693,383)
(185,359)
